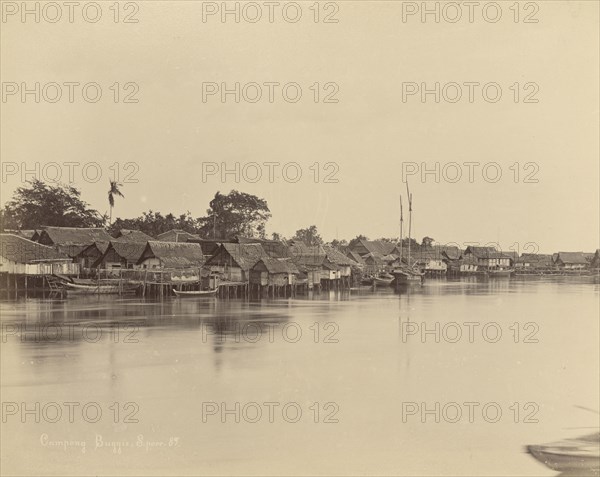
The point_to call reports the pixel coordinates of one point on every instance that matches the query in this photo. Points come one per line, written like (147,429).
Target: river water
(451,378)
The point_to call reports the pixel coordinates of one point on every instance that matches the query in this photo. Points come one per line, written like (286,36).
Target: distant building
(571,260)
(490,258)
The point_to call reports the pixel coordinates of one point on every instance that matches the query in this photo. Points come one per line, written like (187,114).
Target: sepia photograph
(300,238)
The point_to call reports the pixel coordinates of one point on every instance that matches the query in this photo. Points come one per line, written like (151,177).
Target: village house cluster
(177,258)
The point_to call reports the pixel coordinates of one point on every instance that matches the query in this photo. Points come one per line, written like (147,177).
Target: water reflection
(350,348)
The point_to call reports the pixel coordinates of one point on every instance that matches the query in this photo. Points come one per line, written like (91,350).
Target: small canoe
(580,455)
(192,293)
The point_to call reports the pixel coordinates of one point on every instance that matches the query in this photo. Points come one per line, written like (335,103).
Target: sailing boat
(407,275)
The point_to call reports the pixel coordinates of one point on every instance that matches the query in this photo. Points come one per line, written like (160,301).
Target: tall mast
(409,220)
(401,224)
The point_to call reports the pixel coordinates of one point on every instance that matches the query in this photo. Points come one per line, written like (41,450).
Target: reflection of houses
(121,255)
(234,260)
(571,260)
(489,258)
(19,256)
(158,254)
(72,240)
(176,235)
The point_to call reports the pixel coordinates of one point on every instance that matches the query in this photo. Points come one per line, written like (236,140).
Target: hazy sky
(368,134)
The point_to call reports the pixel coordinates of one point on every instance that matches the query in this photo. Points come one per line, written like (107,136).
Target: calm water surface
(360,361)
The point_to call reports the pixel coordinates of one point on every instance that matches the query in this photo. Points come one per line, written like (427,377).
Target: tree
(235,214)
(277,236)
(427,242)
(339,244)
(154,223)
(112,193)
(310,236)
(40,204)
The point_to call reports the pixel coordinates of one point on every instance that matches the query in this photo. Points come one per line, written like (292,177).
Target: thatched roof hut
(21,250)
(19,255)
(122,253)
(243,255)
(158,254)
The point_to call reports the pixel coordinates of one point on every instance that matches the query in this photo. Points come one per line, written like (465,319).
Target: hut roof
(21,250)
(73,235)
(536,258)
(100,246)
(176,235)
(278,265)
(174,254)
(245,254)
(452,252)
(356,257)
(274,248)
(378,247)
(133,236)
(576,258)
(130,251)
(308,256)
(337,257)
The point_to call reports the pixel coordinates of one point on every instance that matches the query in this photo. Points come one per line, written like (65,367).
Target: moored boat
(96,288)
(195,293)
(581,455)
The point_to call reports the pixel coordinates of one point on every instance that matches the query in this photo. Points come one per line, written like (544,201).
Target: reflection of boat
(581,455)
(191,293)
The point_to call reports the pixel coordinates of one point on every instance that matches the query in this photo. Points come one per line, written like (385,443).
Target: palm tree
(112,192)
